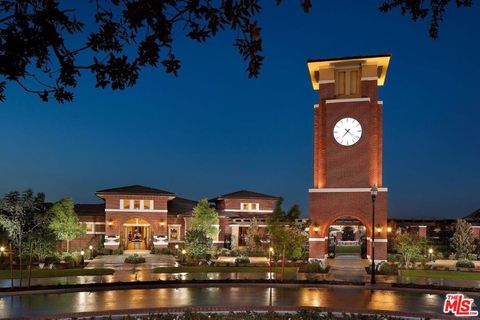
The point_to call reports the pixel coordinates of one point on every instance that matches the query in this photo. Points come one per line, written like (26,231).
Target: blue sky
(212,130)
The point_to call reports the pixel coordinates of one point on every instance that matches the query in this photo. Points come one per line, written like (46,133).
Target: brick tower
(347,149)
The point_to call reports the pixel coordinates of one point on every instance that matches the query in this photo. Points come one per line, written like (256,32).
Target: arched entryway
(136,234)
(347,239)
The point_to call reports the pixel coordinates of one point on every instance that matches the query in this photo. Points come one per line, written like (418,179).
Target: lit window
(90,227)
(244,206)
(146,204)
(255,206)
(126,204)
(174,232)
(136,204)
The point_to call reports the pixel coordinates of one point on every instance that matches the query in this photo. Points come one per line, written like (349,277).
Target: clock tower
(348,149)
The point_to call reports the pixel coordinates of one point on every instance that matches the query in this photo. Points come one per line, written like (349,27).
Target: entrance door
(136,235)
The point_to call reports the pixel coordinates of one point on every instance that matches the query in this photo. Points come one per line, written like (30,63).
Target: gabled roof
(181,206)
(475,215)
(90,209)
(135,189)
(244,194)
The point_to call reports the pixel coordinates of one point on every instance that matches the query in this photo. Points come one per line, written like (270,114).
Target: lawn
(200,269)
(347,249)
(451,275)
(49,273)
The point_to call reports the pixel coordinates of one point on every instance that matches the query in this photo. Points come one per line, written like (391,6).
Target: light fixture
(184,251)
(374,192)
(379,229)
(2,249)
(389,229)
(82,252)
(110,222)
(162,223)
(430,250)
(90,247)
(271,249)
(176,246)
(315,229)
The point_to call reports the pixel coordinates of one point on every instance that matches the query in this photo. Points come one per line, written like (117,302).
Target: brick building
(138,217)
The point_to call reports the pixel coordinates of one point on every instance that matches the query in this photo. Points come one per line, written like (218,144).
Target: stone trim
(348,100)
(345,190)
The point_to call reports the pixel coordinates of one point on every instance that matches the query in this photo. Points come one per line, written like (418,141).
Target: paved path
(116,262)
(342,298)
(348,267)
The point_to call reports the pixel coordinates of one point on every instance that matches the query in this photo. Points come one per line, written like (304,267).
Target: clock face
(347,131)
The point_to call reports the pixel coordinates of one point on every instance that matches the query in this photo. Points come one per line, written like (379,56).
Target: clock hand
(346,131)
(356,137)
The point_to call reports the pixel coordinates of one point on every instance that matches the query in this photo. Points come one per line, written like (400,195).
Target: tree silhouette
(45,46)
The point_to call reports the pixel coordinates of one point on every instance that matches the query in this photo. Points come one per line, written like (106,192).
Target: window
(136,204)
(90,228)
(347,82)
(126,204)
(174,232)
(146,204)
(249,206)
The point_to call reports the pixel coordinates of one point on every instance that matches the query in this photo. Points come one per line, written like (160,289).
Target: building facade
(139,218)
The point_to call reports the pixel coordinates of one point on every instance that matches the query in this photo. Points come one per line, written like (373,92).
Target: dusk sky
(212,130)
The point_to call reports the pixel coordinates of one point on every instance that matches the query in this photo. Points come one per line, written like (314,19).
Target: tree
(64,223)
(287,237)
(197,244)
(409,245)
(252,237)
(45,46)
(205,219)
(43,241)
(20,215)
(463,241)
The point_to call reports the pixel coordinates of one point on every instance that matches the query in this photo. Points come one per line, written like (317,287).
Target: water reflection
(345,298)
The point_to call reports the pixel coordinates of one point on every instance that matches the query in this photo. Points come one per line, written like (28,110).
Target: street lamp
(373,193)
(90,247)
(430,253)
(183,255)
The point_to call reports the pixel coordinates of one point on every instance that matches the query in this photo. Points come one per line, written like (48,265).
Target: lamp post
(373,193)
(90,247)
(430,254)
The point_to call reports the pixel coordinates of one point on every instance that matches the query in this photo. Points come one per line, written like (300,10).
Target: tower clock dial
(347,131)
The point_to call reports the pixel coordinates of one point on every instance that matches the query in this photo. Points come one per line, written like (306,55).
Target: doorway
(136,234)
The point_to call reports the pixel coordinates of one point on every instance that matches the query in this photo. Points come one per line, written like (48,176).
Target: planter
(41,265)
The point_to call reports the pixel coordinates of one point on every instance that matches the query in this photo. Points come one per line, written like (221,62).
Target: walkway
(347,267)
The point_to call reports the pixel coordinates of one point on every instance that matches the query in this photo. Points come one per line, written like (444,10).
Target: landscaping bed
(223,269)
(49,273)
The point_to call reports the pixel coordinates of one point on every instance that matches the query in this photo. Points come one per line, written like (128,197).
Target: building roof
(135,189)
(381,60)
(85,209)
(475,215)
(244,194)
(181,206)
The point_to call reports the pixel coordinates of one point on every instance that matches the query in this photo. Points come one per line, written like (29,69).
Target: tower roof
(380,60)
(135,189)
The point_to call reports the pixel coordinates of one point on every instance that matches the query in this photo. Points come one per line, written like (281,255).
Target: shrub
(394,257)
(167,250)
(72,259)
(118,251)
(419,259)
(224,252)
(387,268)
(104,251)
(464,263)
(52,259)
(242,261)
(134,259)
(315,267)
(472,257)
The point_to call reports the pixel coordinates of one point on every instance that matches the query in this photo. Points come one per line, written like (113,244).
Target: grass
(200,269)
(49,273)
(347,249)
(450,275)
